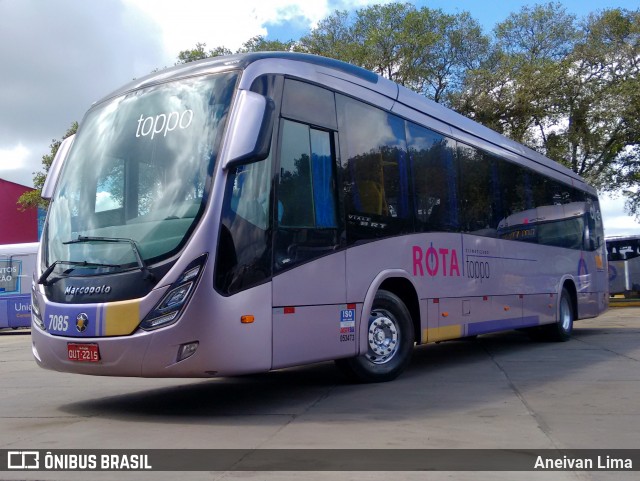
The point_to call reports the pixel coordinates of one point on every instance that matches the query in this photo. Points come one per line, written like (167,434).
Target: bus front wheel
(390,339)
(561,330)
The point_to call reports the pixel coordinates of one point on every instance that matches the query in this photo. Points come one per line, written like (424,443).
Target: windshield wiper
(148,275)
(45,275)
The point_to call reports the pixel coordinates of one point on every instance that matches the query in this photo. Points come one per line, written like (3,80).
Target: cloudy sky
(58,56)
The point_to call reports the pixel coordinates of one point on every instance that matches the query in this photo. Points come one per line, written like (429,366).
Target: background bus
(254,212)
(17,265)
(623,253)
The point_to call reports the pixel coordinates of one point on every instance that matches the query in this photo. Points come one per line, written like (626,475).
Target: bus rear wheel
(390,341)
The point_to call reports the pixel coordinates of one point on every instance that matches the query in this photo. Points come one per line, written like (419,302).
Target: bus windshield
(135,182)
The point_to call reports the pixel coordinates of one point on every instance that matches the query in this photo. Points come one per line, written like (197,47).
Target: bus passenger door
(309,287)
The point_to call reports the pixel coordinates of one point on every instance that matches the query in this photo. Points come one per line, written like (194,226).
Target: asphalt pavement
(500,391)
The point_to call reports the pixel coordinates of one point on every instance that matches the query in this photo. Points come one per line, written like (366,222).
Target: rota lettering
(435,262)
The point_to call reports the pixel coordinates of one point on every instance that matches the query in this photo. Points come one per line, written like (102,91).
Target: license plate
(83,352)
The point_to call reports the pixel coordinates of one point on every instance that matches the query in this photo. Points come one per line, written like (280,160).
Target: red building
(16,226)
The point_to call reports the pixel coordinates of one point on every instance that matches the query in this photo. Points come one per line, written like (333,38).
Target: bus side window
(306,197)
(435,179)
(244,251)
(477,184)
(375,171)
(597,233)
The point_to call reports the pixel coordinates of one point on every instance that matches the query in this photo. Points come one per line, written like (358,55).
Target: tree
(333,38)
(441,48)
(380,36)
(261,44)
(542,32)
(604,136)
(254,44)
(425,50)
(199,53)
(32,198)
(517,90)
(568,90)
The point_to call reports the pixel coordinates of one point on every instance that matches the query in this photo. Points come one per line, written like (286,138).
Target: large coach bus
(623,254)
(17,264)
(253,212)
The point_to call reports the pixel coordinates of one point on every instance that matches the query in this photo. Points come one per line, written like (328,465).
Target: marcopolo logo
(86,291)
(82,321)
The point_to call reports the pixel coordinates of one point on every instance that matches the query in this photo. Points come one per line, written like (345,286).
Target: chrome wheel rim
(383,337)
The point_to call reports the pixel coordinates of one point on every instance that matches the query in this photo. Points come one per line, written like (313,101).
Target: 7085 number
(58,322)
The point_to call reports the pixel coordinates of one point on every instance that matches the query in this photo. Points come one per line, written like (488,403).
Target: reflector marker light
(187,350)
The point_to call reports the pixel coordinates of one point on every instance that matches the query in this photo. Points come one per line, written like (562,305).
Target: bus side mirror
(248,136)
(56,166)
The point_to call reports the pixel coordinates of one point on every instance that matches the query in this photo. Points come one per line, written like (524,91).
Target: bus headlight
(168,310)
(36,314)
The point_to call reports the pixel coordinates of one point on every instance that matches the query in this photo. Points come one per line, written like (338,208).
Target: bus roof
(401,99)
(622,238)
(19,249)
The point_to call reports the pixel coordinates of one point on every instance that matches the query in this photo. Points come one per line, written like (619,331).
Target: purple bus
(623,254)
(254,212)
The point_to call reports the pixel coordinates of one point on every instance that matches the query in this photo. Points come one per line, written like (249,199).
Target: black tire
(390,340)
(561,330)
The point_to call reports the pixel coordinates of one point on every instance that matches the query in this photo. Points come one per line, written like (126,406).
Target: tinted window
(596,227)
(306,198)
(478,192)
(517,209)
(295,193)
(375,171)
(308,103)
(306,190)
(244,254)
(435,179)
(512,189)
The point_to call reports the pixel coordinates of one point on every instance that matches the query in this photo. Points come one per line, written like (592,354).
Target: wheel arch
(398,282)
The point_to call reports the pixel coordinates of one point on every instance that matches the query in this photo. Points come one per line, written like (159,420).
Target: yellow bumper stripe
(121,318)
(442,333)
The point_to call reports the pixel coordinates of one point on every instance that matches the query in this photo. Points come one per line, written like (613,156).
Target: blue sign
(15,311)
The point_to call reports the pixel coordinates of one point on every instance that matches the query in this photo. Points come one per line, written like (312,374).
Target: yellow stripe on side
(121,318)
(599,262)
(442,333)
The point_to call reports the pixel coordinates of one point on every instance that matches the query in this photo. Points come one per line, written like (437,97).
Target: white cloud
(187,22)
(105,201)
(59,57)
(14,158)
(615,221)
